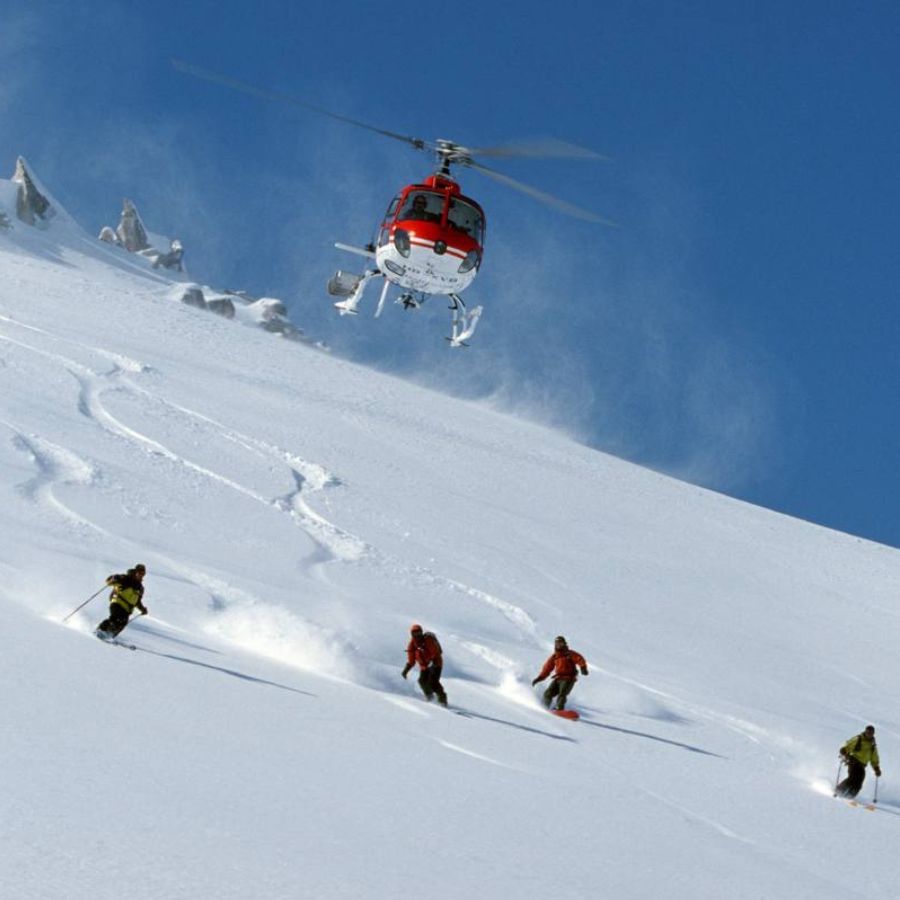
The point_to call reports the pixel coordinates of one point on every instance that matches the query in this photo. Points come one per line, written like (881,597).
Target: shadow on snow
(232,672)
(652,737)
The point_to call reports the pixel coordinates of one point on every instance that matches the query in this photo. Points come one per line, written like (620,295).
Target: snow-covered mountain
(296,514)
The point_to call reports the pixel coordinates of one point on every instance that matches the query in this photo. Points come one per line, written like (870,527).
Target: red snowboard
(566,714)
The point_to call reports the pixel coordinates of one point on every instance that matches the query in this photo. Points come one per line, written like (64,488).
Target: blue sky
(738,329)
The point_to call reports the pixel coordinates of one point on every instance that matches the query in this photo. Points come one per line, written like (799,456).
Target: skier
(563,663)
(857,753)
(425,649)
(128,593)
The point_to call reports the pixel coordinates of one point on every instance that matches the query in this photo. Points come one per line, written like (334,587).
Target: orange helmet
(415,627)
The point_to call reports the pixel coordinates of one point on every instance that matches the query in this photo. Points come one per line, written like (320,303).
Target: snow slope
(296,513)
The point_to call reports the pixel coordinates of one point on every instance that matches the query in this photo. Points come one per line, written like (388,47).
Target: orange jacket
(563,664)
(424,652)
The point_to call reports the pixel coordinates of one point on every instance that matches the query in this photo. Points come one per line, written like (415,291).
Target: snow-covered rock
(222,306)
(32,206)
(271,315)
(193,296)
(130,231)
(132,234)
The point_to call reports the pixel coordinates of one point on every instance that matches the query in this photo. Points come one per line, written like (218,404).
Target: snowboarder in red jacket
(564,664)
(425,649)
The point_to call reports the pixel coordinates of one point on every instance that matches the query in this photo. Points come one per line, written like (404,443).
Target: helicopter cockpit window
(392,208)
(423,205)
(466,218)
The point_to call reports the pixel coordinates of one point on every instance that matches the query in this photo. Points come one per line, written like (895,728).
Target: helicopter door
(385,230)
(466,218)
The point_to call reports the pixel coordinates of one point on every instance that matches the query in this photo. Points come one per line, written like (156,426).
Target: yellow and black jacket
(863,750)
(128,592)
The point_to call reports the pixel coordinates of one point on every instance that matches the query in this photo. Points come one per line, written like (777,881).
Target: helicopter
(430,240)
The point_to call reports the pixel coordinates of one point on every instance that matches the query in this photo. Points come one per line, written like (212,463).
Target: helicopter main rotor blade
(548,199)
(541,148)
(265,94)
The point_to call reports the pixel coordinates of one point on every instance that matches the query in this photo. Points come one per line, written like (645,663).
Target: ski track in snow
(479,756)
(55,466)
(123,362)
(696,817)
(309,478)
(750,731)
(335,544)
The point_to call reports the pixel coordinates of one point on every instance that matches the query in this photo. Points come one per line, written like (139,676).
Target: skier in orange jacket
(564,664)
(425,649)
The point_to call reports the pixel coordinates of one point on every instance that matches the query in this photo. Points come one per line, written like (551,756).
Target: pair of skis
(871,807)
(114,641)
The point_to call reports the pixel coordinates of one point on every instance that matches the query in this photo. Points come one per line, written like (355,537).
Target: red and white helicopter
(431,238)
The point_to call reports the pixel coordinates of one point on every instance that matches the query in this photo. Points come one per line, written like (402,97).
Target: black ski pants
(559,688)
(852,784)
(430,682)
(118,619)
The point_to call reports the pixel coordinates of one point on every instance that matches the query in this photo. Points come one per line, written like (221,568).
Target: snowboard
(571,714)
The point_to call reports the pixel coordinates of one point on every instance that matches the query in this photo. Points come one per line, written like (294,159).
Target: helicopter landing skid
(350,306)
(462,322)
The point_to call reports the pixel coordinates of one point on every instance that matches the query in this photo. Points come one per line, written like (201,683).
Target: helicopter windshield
(466,218)
(423,205)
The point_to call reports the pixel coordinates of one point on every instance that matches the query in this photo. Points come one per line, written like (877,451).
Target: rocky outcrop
(269,309)
(131,234)
(221,306)
(130,231)
(25,198)
(193,296)
(267,313)
(273,318)
(32,207)
(170,260)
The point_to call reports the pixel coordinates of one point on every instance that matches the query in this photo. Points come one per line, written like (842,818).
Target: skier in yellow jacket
(127,594)
(859,752)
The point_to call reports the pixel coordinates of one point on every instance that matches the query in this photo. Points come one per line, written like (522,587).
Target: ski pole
(69,616)
(837,780)
(131,619)
(875,798)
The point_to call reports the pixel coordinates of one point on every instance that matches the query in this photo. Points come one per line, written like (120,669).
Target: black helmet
(140,567)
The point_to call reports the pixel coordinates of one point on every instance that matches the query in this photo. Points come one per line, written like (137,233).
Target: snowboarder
(564,664)
(128,593)
(858,752)
(425,649)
